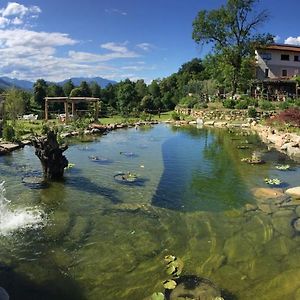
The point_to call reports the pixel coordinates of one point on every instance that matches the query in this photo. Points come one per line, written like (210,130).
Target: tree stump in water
(51,155)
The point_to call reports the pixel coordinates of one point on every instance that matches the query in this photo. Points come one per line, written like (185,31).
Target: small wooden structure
(71,100)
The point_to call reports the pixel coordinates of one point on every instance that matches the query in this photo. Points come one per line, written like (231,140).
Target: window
(266,56)
(285,57)
(266,73)
(284,73)
(296,58)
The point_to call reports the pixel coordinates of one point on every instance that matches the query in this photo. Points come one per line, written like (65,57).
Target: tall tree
(14,104)
(39,92)
(55,90)
(85,89)
(68,87)
(141,89)
(231,30)
(95,89)
(127,97)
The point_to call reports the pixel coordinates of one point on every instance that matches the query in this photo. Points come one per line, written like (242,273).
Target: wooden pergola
(72,101)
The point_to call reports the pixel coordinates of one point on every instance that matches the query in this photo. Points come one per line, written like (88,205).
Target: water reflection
(203,171)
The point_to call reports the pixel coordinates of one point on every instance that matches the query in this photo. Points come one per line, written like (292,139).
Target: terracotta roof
(283,47)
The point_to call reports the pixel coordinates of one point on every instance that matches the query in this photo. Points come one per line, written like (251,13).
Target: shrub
(297,102)
(8,132)
(289,116)
(285,105)
(188,101)
(242,104)
(266,105)
(45,128)
(252,113)
(252,102)
(175,116)
(229,103)
(200,105)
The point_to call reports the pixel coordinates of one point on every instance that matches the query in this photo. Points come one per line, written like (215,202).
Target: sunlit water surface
(92,237)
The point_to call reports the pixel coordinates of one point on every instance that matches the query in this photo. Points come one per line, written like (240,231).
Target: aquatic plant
(69,166)
(126,177)
(283,167)
(273,181)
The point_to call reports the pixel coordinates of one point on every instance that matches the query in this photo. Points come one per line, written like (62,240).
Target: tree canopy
(231,30)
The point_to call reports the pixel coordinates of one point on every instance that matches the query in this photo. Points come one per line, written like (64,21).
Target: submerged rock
(193,287)
(296,224)
(293,192)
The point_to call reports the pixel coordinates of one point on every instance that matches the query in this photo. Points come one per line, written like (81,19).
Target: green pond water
(93,237)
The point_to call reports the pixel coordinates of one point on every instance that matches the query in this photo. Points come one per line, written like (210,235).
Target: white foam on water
(12,220)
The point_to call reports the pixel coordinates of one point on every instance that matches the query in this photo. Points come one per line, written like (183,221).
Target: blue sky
(114,39)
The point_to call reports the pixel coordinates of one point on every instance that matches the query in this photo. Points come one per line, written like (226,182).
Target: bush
(290,116)
(285,105)
(229,103)
(252,113)
(45,128)
(266,105)
(252,102)
(297,102)
(200,105)
(8,133)
(175,116)
(242,104)
(188,101)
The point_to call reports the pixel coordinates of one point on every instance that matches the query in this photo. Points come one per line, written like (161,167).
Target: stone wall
(223,114)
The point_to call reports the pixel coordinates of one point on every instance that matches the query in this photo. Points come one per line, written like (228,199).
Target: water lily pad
(126,177)
(169,284)
(175,267)
(69,166)
(169,258)
(273,181)
(157,296)
(283,167)
(171,269)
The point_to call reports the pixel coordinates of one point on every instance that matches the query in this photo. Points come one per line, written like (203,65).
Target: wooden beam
(46,109)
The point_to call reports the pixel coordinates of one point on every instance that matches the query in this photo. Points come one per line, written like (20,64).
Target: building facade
(278,62)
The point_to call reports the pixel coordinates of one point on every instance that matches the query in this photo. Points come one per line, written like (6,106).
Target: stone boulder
(293,192)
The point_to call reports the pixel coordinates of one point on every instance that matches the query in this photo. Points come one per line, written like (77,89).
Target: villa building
(278,61)
(277,66)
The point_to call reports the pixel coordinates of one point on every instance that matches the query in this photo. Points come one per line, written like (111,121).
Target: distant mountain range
(6,82)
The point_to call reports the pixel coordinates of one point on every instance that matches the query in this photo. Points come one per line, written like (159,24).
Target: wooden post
(96,110)
(66,110)
(46,109)
(73,109)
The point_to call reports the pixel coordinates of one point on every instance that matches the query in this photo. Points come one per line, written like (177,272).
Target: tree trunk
(51,156)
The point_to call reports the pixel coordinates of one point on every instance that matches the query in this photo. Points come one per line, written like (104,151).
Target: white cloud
(16,9)
(23,37)
(116,51)
(16,14)
(145,46)
(17,21)
(115,11)
(277,38)
(115,47)
(29,54)
(293,40)
(3,22)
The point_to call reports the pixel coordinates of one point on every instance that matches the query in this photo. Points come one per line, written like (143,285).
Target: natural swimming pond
(96,236)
